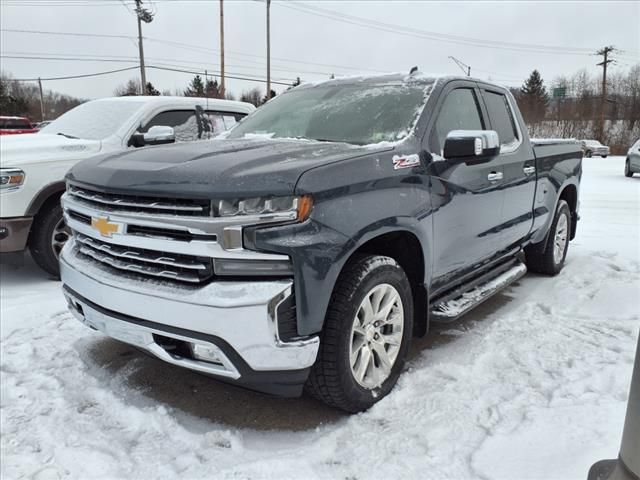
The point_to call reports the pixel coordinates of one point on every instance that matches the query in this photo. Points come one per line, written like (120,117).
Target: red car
(15,125)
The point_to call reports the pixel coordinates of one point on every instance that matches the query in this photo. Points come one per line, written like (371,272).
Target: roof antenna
(413,70)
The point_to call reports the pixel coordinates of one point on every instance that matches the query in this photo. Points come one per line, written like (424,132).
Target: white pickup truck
(32,167)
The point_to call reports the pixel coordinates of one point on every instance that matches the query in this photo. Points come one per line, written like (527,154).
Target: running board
(450,310)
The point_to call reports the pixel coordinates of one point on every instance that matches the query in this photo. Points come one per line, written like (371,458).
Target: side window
(502,120)
(190,125)
(460,111)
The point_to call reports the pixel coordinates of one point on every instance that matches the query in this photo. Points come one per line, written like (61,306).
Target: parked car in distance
(329,227)
(591,148)
(33,166)
(627,465)
(632,163)
(15,126)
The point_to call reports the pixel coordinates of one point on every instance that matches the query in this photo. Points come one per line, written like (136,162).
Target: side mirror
(467,145)
(159,135)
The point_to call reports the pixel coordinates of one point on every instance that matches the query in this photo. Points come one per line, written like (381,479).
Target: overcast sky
(313,39)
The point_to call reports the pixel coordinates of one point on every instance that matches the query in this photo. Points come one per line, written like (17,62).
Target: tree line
(572,107)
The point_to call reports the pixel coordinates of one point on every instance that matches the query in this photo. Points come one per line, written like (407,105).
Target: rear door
(467,197)
(517,162)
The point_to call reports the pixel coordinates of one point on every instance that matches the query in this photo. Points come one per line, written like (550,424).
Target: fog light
(206,353)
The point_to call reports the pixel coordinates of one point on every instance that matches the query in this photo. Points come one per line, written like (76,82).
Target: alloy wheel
(376,336)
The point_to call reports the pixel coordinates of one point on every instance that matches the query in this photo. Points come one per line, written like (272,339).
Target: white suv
(32,167)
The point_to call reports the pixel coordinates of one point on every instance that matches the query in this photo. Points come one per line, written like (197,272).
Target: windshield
(95,120)
(357,113)
(593,143)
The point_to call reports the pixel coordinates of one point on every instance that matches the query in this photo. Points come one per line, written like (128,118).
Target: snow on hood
(19,150)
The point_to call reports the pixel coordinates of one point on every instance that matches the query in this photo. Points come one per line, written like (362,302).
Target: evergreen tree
(129,89)
(151,90)
(196,88)
(212,89)
(265,99)
(534,98)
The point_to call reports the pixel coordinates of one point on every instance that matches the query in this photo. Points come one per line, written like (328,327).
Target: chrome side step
(450,309)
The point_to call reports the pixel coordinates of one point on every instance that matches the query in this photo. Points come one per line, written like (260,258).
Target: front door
(467,197)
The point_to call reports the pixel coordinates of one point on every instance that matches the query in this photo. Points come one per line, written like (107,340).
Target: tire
(605,156)
(627,169)
(543,257)
(588,154)
(48,235)
(347,334)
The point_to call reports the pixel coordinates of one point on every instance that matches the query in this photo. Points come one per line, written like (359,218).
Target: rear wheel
(49,234)
(548,257)
(366,335)
(588,154)
(604,156)
(627,169)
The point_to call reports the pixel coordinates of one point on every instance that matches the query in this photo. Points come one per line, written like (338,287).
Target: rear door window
(460,111)
(501,117)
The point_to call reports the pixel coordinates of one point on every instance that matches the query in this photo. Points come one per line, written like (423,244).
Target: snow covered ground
(532,385)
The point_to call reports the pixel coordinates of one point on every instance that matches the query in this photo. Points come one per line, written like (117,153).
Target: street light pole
(268,49)
(222,86)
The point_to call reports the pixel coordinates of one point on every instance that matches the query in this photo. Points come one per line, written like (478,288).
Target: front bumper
(237,320)
(14,233)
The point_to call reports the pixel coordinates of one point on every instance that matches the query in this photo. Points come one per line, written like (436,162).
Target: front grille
(140,204)
(185,268)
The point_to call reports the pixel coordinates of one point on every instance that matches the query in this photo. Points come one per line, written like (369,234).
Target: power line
(155,67)
(412,32)
(74,76)
(186,46)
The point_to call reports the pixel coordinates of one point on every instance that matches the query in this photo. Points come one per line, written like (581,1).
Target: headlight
(11,178)
(299,208)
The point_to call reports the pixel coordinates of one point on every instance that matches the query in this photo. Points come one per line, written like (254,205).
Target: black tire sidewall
(627,169)
(41,235)
(393,275)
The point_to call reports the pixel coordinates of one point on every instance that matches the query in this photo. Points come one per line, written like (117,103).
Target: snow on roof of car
(186,101)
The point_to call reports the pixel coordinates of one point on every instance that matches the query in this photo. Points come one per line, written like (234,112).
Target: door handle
(494,176)
(529,169)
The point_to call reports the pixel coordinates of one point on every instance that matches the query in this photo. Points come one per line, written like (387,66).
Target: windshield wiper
(67,135)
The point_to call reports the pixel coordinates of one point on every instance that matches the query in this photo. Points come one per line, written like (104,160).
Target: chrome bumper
(236,318)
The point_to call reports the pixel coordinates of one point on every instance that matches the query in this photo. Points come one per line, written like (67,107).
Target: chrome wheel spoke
(376,336)
(60,236)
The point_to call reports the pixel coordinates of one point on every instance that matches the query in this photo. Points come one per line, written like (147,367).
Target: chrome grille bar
(117,201)
(160,258)
(138,268)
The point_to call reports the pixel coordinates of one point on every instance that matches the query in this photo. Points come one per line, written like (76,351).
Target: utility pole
(605,51)
(41,100)
(268,50)
(463,66)
(222,88)
(142,15)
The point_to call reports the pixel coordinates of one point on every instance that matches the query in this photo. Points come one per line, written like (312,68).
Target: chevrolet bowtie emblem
(105,227)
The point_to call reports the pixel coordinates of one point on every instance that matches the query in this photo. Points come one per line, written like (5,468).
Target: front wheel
(49,234)
(548,257)
(588,154)
(627,169)
(604,156)
(366,335)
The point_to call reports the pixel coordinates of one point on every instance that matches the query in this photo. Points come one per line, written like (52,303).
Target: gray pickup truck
(328,228)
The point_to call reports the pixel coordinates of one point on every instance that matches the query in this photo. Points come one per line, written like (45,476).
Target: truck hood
(213,169)
(21,150)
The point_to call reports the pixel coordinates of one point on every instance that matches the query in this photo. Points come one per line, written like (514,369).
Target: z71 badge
(405,161)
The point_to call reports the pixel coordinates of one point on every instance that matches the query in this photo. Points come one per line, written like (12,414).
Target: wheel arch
(49,193)
(45,197)
(405,248)
(570,195)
